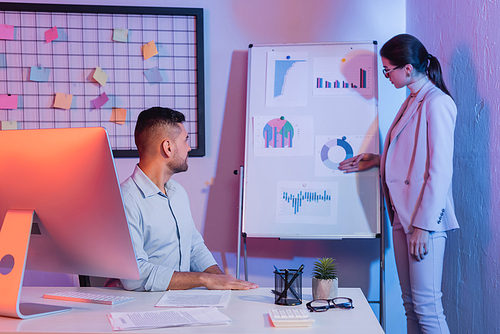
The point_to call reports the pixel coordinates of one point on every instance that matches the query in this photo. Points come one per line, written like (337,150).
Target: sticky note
(149,50)
(39,74)
(100,76)
(8,125)
(153,75)
(100,101)
(8,101)
(63,101)
(51,35)
(120,35)
(118,116)
(6,31)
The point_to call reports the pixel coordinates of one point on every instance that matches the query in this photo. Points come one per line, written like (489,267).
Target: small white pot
(325,288)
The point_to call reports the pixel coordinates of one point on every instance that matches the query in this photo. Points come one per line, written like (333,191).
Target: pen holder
(288,287)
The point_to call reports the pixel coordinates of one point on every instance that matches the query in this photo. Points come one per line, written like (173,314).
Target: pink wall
(465,36)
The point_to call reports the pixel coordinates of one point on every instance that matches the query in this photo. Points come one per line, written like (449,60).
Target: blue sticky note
(153,75)
(40,74)
(120,35)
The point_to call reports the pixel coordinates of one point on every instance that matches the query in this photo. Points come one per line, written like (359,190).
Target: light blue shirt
(163,232)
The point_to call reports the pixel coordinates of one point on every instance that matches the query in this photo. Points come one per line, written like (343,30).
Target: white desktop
(248,311)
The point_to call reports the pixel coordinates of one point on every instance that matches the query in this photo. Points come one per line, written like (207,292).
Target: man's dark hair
(153,119)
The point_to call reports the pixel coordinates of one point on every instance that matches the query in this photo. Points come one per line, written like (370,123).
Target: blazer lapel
(412,109)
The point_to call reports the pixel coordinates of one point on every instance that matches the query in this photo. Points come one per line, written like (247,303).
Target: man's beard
(179,165)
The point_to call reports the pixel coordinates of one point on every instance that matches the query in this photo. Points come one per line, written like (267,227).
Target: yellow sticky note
(149,50)
(118,116)
(100,76)
(120,35)
(63,101)
(8,125)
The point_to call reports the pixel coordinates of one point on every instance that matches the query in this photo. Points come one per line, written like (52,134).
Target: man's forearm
(214,270)
(213,279)
(186,280)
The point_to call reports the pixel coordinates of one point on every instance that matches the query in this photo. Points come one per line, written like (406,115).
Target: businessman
(170,251)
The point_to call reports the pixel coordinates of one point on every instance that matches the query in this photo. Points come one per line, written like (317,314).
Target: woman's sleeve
(441,115)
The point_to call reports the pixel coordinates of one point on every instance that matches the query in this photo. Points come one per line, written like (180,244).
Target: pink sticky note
(119,116)
(149,50)
(63,101)
(51,35)
(6,31)
(100,101)
(8,101)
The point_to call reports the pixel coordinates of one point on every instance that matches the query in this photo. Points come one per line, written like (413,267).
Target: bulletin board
(309,107)
(84,66)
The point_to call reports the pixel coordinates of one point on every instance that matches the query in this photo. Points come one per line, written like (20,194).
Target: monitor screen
(68,178)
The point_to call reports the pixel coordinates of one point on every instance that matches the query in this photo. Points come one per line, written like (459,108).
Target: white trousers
(421,282)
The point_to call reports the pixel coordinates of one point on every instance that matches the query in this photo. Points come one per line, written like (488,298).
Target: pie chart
(329,152)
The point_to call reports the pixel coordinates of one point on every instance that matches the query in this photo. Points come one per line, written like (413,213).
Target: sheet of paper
(8,101)
(118,116)
(100,76)
(149,50)
(194,298)
(51,35)
(166,318)
(40,74)
(63,101)
(153,75)
(100,101)
(8,125)
(6,31)
(120,35)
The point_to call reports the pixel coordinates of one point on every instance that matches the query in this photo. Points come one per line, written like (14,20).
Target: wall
(464,35)
(231,25)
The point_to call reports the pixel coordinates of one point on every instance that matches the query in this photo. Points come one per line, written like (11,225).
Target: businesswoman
(416,169)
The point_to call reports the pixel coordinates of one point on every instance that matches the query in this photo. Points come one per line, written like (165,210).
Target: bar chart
(278,133)
(322,83)
(311,203)
(343,76)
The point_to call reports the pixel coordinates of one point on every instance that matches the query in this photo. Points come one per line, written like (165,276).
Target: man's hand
(360,162)
(212,278)
(226,282)
(217,280)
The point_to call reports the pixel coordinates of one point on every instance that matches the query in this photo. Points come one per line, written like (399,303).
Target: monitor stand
(14,241)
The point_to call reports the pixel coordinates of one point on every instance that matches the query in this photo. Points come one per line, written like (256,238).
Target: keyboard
(85,297)
(293,317)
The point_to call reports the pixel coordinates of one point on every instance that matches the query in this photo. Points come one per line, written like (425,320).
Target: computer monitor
(61,210)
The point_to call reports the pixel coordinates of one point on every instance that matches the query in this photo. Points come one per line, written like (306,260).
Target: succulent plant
(325,268)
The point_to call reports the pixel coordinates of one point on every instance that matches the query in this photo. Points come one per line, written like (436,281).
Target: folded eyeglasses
(322,305)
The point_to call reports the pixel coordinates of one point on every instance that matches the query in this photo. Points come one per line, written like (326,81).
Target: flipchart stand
(243,235)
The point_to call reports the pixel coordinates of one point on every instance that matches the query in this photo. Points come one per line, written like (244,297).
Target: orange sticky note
(51,35)
(100,76)
(118,116)
(8,125)
(6,31)
(63,101)
(149,50)
(8,101)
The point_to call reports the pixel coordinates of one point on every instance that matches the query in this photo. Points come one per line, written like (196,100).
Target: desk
(247,309)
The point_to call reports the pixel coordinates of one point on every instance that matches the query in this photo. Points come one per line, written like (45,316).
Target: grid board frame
(84,43)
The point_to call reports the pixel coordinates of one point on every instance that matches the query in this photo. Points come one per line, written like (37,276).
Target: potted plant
(325,282)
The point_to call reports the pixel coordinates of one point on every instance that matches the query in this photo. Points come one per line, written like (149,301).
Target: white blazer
(416,166)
